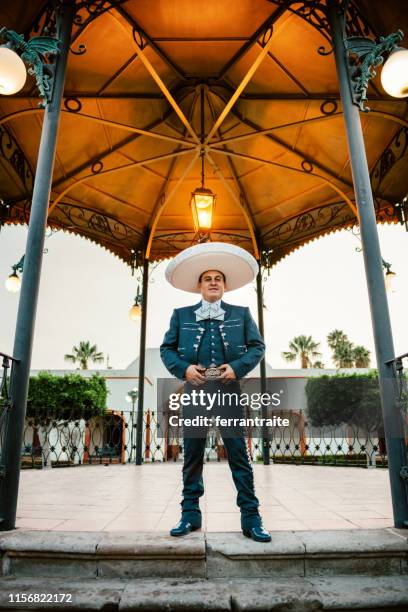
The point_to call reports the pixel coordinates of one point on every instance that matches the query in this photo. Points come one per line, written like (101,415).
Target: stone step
(343,594)
(382,552)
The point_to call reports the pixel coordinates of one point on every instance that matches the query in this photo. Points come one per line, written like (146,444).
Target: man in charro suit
(212,345)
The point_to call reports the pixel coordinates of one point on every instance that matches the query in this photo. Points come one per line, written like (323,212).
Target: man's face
(212,285)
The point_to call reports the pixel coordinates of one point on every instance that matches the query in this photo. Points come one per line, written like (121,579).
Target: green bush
(68,397)
(345,398)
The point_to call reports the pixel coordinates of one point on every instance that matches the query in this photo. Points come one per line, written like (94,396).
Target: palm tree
(343,355)
(83,353)
(319,365)
(361,357)
(303,347)
(336,337)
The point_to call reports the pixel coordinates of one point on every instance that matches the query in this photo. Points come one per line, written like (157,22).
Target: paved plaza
(146,498)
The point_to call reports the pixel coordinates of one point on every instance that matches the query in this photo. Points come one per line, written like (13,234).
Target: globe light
(394,75)
(390,278)
(13,283)
(13,72)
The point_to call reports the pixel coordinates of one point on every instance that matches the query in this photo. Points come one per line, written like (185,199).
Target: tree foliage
(304,348)
(66,397)
(83,353)
(345,354)
(345,398)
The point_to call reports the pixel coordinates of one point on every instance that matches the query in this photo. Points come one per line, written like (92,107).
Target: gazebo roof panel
(187,38)
(190,55)
(193,19)
(296,47)
(269,77)
(91,70)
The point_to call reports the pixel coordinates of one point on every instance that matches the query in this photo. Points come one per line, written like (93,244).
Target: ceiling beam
(244,82)
(272,163)
(137,27)
(266,25)
(165,200)
(272,129)
(297,152)
(243,199)
(161,200)
(116,170)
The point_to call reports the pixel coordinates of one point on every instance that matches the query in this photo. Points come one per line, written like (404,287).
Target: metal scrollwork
(364,55)
(101,228)
(138,38)
(315,13)
(97,167)
(73,105)
(266,36)
(396,149)
(87,10)
(298,230)
(10,151)
(80,51)
(328,107)
(169,244)
(307,166)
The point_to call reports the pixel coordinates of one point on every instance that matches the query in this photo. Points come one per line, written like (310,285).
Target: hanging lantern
(202,206)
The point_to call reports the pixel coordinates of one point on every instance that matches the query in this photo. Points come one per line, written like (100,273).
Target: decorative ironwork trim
(11,152)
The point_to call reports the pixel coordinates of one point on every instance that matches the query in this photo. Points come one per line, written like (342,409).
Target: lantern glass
(13,283)
(135,312)
(394,75)
(13,72)
(202,204)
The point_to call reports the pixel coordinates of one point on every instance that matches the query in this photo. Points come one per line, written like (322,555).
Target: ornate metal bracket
(401,212)
(19,266)
(35,53)
(364,55)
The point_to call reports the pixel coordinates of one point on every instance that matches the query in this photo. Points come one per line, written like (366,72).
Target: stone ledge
(297,594)
(149,546)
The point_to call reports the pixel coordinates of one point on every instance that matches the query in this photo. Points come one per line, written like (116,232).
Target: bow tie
(210,311)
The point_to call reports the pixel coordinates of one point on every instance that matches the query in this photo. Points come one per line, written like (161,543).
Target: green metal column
(262,367)
(142,354)
(31,279)
(393,424)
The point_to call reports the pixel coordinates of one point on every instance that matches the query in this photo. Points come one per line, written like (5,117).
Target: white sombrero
(238,266)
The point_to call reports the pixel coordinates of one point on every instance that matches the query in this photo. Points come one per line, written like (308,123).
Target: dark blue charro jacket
(243,344)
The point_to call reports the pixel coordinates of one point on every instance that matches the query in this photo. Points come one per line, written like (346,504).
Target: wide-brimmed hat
(238,266)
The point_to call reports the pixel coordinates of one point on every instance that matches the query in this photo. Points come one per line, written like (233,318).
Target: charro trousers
(238,459)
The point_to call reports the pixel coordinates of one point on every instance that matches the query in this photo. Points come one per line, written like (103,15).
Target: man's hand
(228,373)
(195,374)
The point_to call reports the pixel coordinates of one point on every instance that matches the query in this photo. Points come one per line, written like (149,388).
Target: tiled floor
(146,498)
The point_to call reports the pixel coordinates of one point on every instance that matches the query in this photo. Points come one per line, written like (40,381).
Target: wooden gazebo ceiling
(124,189)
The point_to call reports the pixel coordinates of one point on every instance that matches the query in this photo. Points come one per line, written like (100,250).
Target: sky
(86,294)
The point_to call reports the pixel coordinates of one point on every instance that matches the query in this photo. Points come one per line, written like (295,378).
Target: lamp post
(34,250)
(355,63)
(131,397)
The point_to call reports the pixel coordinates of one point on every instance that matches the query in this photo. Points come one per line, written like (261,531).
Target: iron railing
(5,404)
(50,441)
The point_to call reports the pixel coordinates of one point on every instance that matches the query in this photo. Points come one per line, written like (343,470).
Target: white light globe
(13,283)
(13,72)
(394,75)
